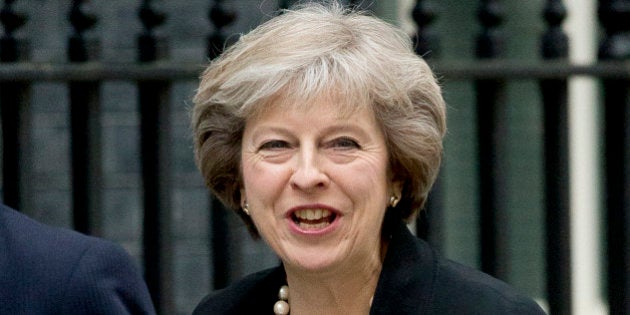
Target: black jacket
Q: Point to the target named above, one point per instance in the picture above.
(414, 280)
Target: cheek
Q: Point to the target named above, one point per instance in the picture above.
(365, 183)
(263, 181)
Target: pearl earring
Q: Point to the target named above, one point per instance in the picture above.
(393, 201)
(246, 208)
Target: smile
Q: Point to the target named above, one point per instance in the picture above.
(313, 219)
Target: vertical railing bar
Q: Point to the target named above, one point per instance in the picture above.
(85, 128)
(617, 133)
(491, 129)
(284, 4)
(555, 45)
(429, 224)
(220, 239)
(154, 107)
(15, 114)
(615, 45)
(219, 243)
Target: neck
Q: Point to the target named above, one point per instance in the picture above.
(346, 289)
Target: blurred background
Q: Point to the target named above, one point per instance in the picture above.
(534, 187)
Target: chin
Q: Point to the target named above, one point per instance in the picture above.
(314, 262)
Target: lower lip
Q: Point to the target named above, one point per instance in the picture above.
(295, 228)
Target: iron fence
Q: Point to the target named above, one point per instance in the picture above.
(154, 74)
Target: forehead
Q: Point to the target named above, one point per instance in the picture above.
(317, 117)
(337, 105)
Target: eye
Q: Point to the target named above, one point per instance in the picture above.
(345, 143)
(274, 145)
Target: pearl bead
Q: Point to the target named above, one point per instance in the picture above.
(283, 294)
(281, 308)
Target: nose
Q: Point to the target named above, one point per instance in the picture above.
(309, 175)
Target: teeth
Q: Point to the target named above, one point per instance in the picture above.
(312, 214)
(313, 226)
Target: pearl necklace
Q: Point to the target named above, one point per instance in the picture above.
(282, 306)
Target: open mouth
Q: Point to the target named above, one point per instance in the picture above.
(313, 219)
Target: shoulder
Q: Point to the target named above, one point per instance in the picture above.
(105, 279)
(253, 294)
(28, 242)
(415, 279)
(58, 270)
(476, 292)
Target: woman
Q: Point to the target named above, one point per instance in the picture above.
(323, 130)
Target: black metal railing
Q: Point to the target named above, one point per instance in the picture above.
(555, 46)
(154, 74)
(614, 16)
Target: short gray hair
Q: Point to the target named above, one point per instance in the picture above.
(307, 51)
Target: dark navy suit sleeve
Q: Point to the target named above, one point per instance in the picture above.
(47, 271)
(105, 281)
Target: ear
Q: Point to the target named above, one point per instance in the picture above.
(396, 187)
(243, 197)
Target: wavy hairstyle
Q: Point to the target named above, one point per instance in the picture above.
(317, 49)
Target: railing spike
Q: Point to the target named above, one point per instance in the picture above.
(220, 17)
(79, 18)
(555, 43)
(11, 21)
(426, 42)
(149, 48)
(490, 41)
(80, 49)
(285, 4)
(150, 17)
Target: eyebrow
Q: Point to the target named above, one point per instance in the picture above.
(347, 127)
(352, 127)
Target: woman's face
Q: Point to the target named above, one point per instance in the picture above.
(316, 183)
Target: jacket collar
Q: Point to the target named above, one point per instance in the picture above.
(407, 279)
